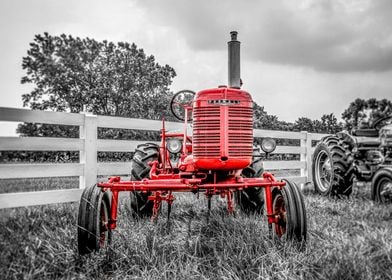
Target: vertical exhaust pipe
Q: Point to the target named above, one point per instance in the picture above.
(234, 61)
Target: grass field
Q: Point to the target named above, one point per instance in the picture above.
(347, 239)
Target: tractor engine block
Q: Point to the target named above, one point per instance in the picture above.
(222, 129)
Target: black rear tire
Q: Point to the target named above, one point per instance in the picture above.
(288, 204)
(382, 186)
(251, 200)
(140, 169)
(331, 167)
(93, 220)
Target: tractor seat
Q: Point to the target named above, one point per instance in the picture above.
(366, 132)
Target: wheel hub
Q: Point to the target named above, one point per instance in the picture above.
(326, 170)
(280, 216)
(323, 171)
(386, 190)
(103, 227)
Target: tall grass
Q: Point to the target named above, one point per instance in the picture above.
(348, 239)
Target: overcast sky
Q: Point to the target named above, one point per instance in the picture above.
(299, 58)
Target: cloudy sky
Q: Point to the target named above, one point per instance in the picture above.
(299, 58)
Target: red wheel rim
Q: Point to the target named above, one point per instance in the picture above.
(280, 215)
(103, 225)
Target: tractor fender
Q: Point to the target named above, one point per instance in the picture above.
(347, 137)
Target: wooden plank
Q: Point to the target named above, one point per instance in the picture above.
(120, 145)
(278, 134)
(297, 179)
(289, 150)
(74, 144)
(26, 115)
(40, 170)
(10, 200)
(114, 168)
(130, 145)
(291, 164)
(40, 144)
(139, 124)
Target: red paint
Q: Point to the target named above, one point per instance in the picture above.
(222, 129)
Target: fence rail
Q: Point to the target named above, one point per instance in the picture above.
(88, 168)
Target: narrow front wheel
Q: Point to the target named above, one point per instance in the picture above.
(290, 215)
(93, 220)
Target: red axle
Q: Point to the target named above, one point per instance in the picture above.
(162, 190)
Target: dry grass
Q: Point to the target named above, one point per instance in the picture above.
(348, 239)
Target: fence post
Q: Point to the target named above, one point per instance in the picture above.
(304, 171)
(88, 157)
(309, 156)
(306, 142)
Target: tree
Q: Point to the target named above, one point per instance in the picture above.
(262, 120)
(106, 78)
(304, 124)
(329, 124)
(318, 126)
(364, 112)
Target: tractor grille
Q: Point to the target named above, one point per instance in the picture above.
(240, 132)
(207, 131)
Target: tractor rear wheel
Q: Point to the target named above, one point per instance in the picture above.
(140, 169)
(251, 200)
(382, 186)
(289, 209)
(93, 220)
(331, 168)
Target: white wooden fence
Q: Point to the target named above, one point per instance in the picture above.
(88, 168)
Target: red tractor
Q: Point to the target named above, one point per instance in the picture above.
(217, 159)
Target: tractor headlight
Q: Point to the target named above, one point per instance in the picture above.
(174, 145)
(268, 145)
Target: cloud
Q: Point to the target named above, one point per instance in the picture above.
(330, 36)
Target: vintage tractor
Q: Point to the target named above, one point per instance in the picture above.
(364, 155)
(217, 159)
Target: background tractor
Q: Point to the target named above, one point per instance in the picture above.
(364, 155)
(217, 158)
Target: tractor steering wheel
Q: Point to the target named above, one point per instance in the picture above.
(179, 102)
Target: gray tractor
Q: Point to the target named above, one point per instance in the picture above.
(364, 155)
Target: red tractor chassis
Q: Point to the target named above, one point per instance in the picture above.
(163, 186)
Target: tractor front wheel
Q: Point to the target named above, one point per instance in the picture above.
(290, 215)
(382, 186)
(93, 220)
